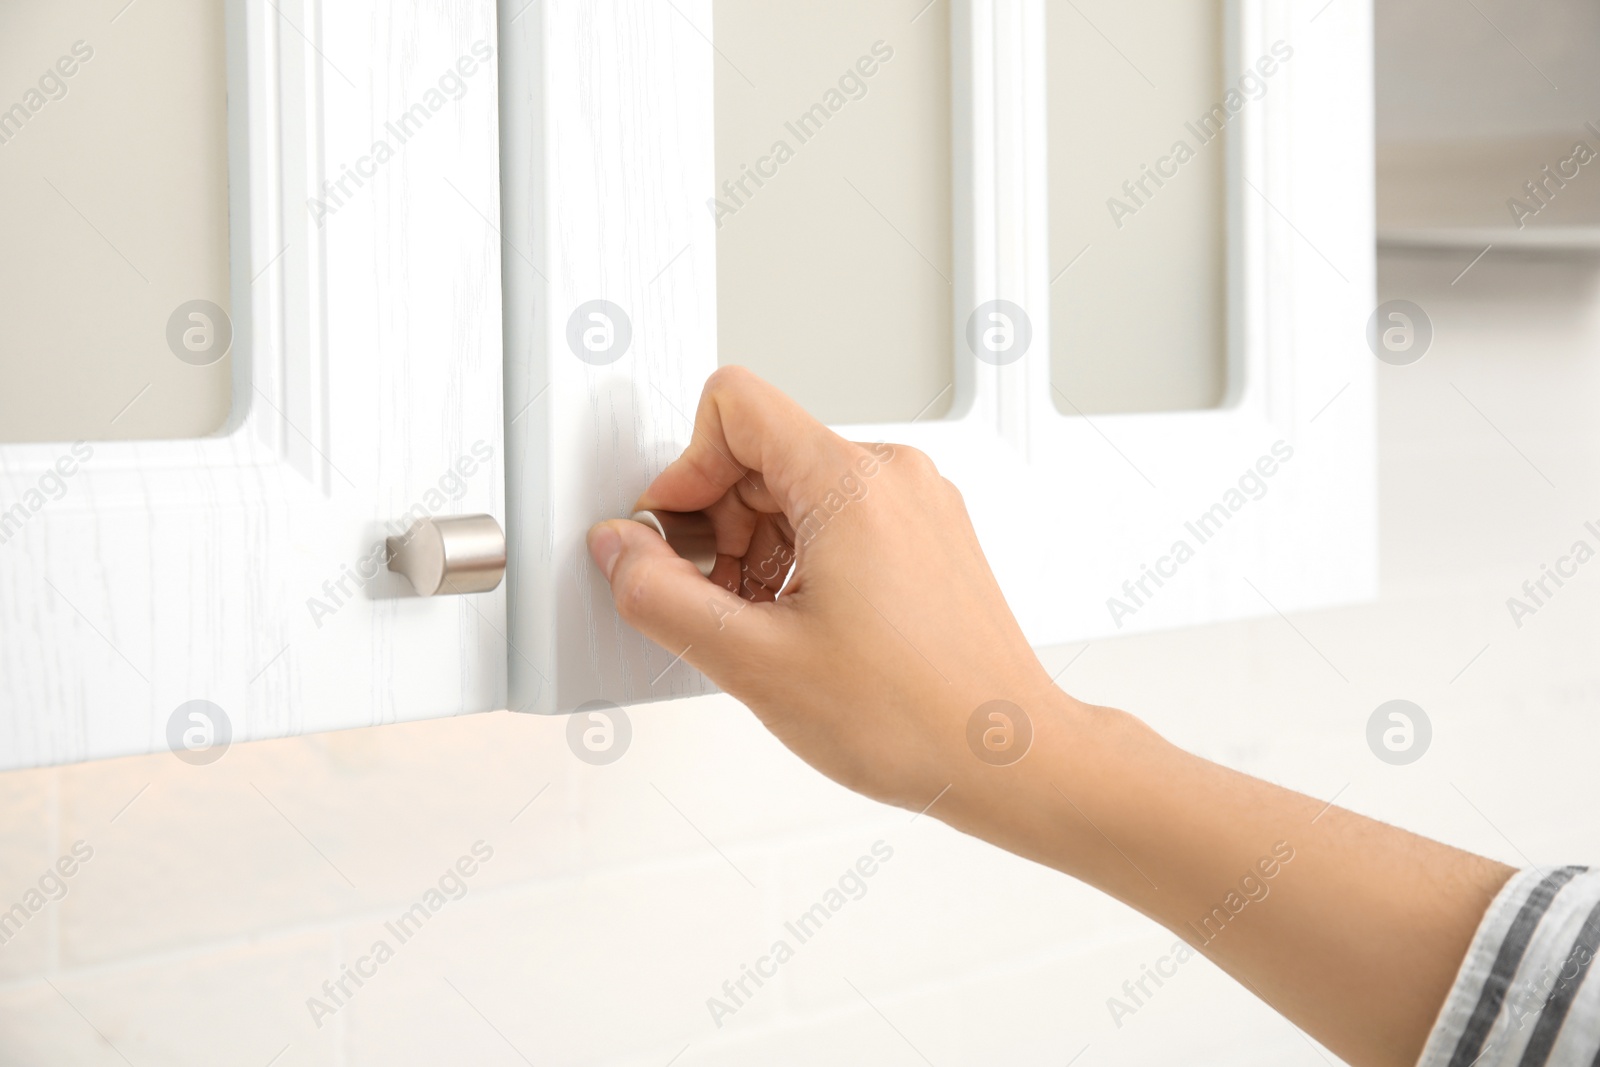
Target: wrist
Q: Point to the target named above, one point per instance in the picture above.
(1057, 803)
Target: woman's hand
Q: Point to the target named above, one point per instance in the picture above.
(891, 632)
(879, 664)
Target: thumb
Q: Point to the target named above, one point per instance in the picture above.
(664, 597)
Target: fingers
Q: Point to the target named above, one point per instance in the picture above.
(664, 597)
(735, 523)
(755, 460)
(766, 565)
(744, 425)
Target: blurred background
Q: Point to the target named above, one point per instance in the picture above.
(608, 902)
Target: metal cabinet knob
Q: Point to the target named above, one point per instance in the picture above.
(459, 554)
(689, 533)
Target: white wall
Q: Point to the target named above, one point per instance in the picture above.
(217, 898)
(1488, 69)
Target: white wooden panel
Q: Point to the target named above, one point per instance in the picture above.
(607, 156)
(1069, 507)
(616, 169)
(370, 354)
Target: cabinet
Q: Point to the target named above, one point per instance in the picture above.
(1096, 524)
(244, 569)
(546, 261)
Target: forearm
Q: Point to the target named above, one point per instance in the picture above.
(891, 638)
(1351, 928)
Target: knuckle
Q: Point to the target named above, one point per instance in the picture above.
(915, 462)
(728, 380)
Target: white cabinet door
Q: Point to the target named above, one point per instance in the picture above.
(611, 323)
(1095, 524)
(246, 570)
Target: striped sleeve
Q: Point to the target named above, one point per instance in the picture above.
(1524, 996)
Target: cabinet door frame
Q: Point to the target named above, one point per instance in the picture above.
(608, 174)
(246, 569)
(607, 162)
(1074, 509)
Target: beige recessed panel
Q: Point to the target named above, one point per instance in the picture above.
(114, 259)
(834, 210)
(1138, 204)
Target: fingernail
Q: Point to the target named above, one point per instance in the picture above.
(605, 545)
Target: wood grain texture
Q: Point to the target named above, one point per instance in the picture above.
(607, 162)
(369, 351)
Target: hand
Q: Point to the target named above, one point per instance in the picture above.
(889, 634)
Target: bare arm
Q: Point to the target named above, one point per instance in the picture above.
(881, 666)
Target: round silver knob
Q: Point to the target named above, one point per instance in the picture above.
(689, 533)
(458, 554)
